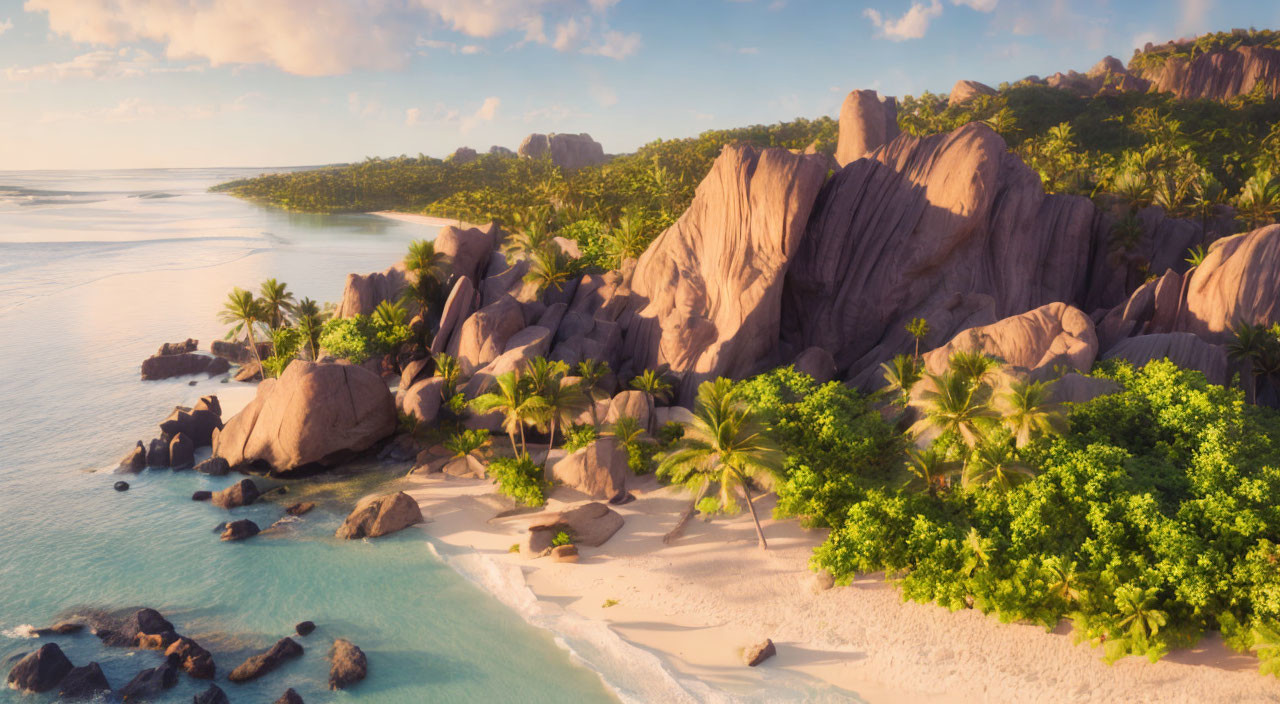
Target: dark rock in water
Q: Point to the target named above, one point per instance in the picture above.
(266, 661)
(238, 352)
(375, 516)
(191, 383)
(171, 365)
(220, 527)
(85, 682)
(197, 423)
(348, 664)
(212, 695)
(214, 466)
(289, 697)
(121, 486)
(201, 495)
(305, 628)
(150, 683)
(41, 670)
(242, 493)
(182, 452)
(66, 628)
(240, 530)
(158, 453)
(156, 641)
(249, 371)
(758, 653)
(299, 509)
(193, 659)
(209, 403)
(169, 348)
(135, 461)
(141, 625)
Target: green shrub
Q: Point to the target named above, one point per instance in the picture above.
(520, 478)
(362, 337)
(286, 342)
(578, 437)
(466, 442)
(562, 538)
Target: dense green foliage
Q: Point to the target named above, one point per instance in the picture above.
(1150, 521)
(363, 336)
(520, 478)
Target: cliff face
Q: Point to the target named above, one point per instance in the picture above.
(1220, 75)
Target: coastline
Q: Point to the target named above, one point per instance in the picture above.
(418, 219)
(696, 604)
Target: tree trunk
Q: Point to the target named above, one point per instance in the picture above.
(253, 347)
(756, 519)
(515, 451)
(524, 446)
(551, 442)
(676, 532)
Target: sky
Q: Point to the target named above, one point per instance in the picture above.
(87, 84)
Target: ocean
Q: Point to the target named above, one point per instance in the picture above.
(97, 269)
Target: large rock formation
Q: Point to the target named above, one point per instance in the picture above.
(867, 122)
(314, 414)
(598, 470)
(459, 306)
(376, 516)
(708, 291)
(964, 91)
(1181, 348)
(467, 250)
(1050, 337)
(951, 228)
(40, 670)
(589, 524)
(363, 292)
(568, 151)
(1219, 75)
(483, 336)
(182, 364)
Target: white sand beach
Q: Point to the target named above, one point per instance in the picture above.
(416, 218)
(697, 603)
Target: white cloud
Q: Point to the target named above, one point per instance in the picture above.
(451, 47)
(979, 5)
(615, 45)
(1194, 16)
(360, 107)
(6, 25)
(412, 116)
(103, 63)
(489, 109)
(911, 25)
(570, 33)
(138, 110)
(317, 37)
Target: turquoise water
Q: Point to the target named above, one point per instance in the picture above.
(98, 269)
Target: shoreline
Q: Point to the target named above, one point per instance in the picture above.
(419, 219)
(694, 605)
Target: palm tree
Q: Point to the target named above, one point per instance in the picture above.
(653, 383)
(592, 372)
(310, 321)
(390, 314)
(242, 311)
(900, 375)
(429, 270)
(955, 404)
(993, 464)
(277, 302)
(1248, 348)
(1134, 186)
(1138, 614)
(563, 402)
(918, 328)
(630, 435)
(1030, 411)
(931, 469)
(974, 366)
(534, 233)
(548, 267)
(627, 240)
(510, 395)
(540, 372)
(977, 551)
(1062, 579)
(724, 443)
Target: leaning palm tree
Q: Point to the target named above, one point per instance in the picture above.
(310, 321)
(512, 397)
(955, 404)
(429, 271)
(548, 268)
(724, 444)
(654, 384)
(592, 372)
(243, 312)
(540, 372)
(447, 368)
(930, 469)
(277, 302)
(900, 375)
(1030, 411)
(993, 464)
(973, 365)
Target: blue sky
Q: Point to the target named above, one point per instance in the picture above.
(149, 83)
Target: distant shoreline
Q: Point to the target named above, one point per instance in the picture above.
(419, 219)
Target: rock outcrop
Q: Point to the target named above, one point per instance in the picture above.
(41, 670)
(363, 292)
(568, 151)
(867, 122)
(707, 293)
(1181, 348)
(950, 228)
(84, 682)
(462, 155)
(258, 665)
(348, 664)
(468, 250)
(1040, 341)
(376, 516)
(1220, 75)
(212, 695)
(598, 470)
(242, 493)
(150, 683)
(423, 399)
(191, 658)
(964, 91)
(242, 529)
(589, 524)
(313, 415)
(171, 365)
(483, 336)
(459, 306)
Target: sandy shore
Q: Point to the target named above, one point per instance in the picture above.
(421, 219)
(696, 604)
